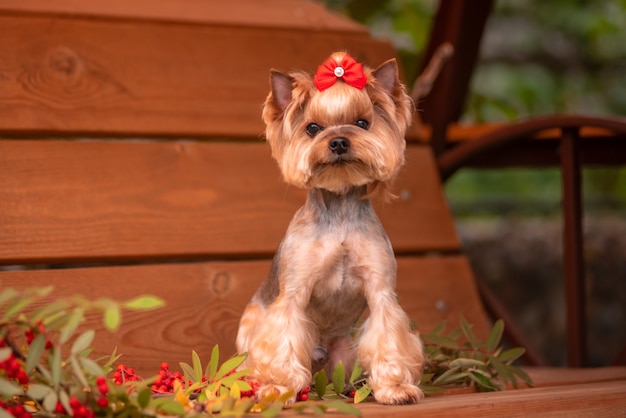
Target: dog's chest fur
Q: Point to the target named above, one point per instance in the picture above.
(330, 242)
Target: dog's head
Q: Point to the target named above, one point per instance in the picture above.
(342, 128)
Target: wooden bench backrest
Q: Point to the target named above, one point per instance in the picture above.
(131, 163)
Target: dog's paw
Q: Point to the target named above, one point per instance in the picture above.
(403, 394)
(274, 391)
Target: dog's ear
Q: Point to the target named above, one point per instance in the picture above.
(387, 76)
(282, 86)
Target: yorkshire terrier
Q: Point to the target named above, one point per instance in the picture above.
(340, 135)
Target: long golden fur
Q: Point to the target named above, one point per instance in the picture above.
(344, 145)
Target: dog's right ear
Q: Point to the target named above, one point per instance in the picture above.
(282, 86)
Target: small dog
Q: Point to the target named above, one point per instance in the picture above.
(340, 135)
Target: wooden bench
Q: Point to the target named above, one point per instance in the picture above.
(131, 163)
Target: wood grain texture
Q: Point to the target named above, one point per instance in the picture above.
(78, 76)
(435, 289)
(69, 201)
(293, 14)
(205, 301)
(604, 399)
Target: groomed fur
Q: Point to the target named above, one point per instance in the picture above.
(343, 145)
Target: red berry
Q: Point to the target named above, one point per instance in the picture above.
(165, 366)
(103, 402)
(81, 411)
(352, 393)
(22, 377)
(303, 397)
(59, 409)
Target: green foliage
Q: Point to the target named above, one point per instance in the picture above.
(460, 359)
(57, 375)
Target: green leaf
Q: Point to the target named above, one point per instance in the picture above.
(522, 375)
(75, 318)
(55, 367)
(469, 334)
(170, 406)
(229, 365)
(7, 295)
(495, 336)
(443, 378)
(430, 390)
(344, 407)
(5, 352)
(321, 381)
(187, 370)
(484, 382)
(272, 410)
(143, 397)
(509, 356)
(197, 366)
(235, 392)
(49, 309)
(8, 388)
(463, 362)
(229, 380)
(50, 401)
(243, 385)
(439, 328)
(83, 341)
(443, 342)
(112, 317)
(502, 371)
(78, 371)
(213, 363)
(357, 371)
(17, 306)
(64, 398)
(144, 303)
(90, 366)
(34, 352)
(362, 393)
(339, 378)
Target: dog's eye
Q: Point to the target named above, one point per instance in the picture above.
(362, 123)
(313, 129)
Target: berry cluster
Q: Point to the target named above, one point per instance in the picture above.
(31, 333)
(13, 366)
(79, 410)
(124, 374)
(17, 410)
(164, 382)
(253, 384)
(103, 389)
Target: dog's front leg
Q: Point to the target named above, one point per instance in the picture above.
(280, 355)
(388, 350)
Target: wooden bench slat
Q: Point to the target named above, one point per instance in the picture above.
(79, 76)
(603, 399)
(205, 301)
(69, 201)
(310, 16)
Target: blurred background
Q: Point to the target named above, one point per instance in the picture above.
(536, 57)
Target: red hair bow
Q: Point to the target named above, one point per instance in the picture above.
(350, 71)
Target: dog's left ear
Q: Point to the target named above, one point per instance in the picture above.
(387, 76)
(282, 86)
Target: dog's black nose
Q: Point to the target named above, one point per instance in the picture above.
(339, 145)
